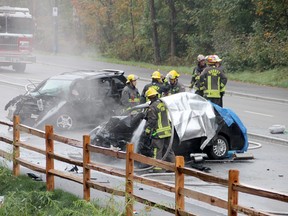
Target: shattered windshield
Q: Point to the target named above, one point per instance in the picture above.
(53, 87)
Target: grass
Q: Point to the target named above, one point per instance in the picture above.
(277, 77)
(274, 77)
(24, 196)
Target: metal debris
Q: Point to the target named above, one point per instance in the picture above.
(277, 129)
(35, 177)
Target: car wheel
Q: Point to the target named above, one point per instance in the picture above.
(19, 67)
(65, 122)
(219, 149)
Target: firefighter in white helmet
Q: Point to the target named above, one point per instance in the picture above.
(195, 80)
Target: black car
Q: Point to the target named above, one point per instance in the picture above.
(198, 125)
(70, 100)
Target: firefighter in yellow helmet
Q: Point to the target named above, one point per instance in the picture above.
(156, 84)
(171, 83)
(158, 126)
(213, 80)
(130, 95)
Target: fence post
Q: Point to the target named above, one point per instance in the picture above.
(86, 171)
(129, 180)
(49, 160)
(232, 195)
(179, 184)
(16, 148)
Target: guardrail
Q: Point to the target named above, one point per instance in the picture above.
(232, 183)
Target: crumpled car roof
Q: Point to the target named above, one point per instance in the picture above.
(192, 116)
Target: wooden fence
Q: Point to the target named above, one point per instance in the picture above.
(232, 183)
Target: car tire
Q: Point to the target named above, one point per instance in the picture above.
(19, 67)
(219, 149)
(65, 122)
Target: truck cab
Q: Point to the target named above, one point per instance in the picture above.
(16, 37)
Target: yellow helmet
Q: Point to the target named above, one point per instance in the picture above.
(156, 75)
(150, 92)
(173, 74)
(131, 77)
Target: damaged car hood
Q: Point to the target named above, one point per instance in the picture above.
(191, 116)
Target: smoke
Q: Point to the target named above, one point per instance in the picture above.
(64, 33)
(68, 102)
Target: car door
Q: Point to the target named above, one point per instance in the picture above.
(97, 97)
(117, 85)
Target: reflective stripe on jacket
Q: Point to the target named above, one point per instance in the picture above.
(173, 89)
(158, 125)
(156, 85)
(213, 82)
(195, 80)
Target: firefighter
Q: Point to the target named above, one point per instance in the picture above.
(156, 84)
(158, 127)
(201, 65)
(171, 83)
(130, 94)
(213, 80)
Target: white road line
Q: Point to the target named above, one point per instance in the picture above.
(258, 113)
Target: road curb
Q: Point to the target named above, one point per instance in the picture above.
(256, 97)
(12, 84)
(272, 140)
(242, 94)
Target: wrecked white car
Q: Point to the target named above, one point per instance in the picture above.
(198, 127)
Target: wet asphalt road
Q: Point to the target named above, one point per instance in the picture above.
(268, 168)
(255, 105)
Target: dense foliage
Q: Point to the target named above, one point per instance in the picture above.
(247, 34)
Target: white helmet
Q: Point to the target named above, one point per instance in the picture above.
(200, 58)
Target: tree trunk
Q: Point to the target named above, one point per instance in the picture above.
(157, 58)
(172, 29)
(110, 24)
(133, 30)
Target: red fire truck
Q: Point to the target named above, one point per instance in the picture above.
(16, 37)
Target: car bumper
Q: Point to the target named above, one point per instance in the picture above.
(17, 59)
(11, 111)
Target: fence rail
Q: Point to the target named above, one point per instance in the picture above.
(232, 183)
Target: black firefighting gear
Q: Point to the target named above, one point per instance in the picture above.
(154, 84)
(195, 80)
(158, 128)
(160, 146)
(145, 145)
(174, 88)
(213, 82)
